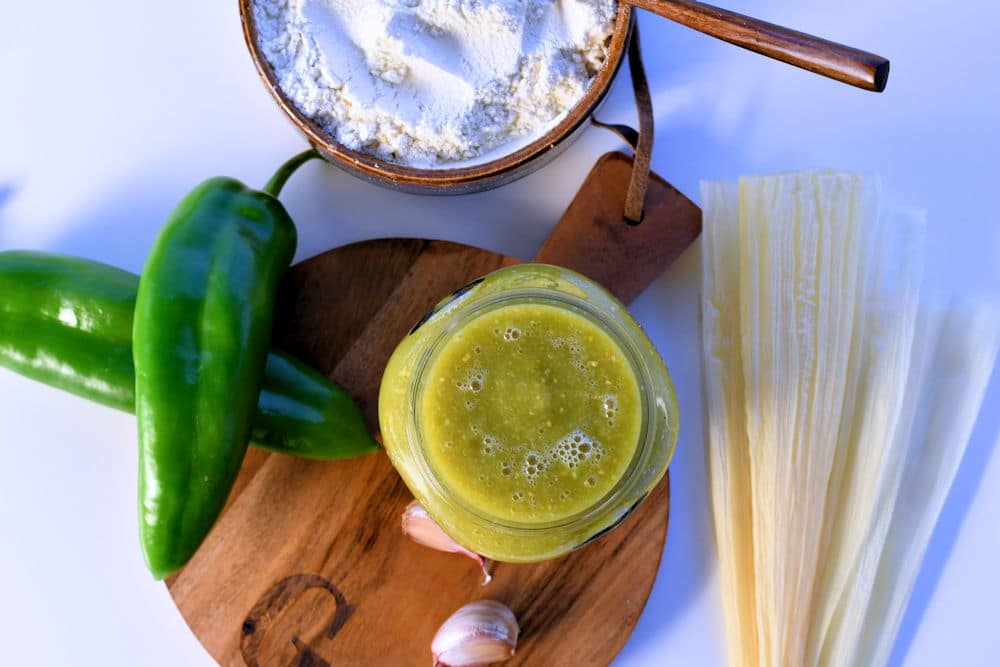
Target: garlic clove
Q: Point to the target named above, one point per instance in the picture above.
(422, 529)
(480, 633)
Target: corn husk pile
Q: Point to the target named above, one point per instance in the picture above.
(839, 403)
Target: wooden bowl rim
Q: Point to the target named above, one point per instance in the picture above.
(444, 180)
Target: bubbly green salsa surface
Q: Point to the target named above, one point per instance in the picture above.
(530, 413)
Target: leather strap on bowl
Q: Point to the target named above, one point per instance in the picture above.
(641, 141)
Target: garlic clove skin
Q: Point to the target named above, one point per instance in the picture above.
(480, 633)
(422, 529)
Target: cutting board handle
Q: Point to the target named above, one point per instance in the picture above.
(594, 239)
(626, 224)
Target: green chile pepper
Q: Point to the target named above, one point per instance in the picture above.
(200, 338)
(67, 322)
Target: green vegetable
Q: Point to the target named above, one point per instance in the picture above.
(67, 322)
(200, 338)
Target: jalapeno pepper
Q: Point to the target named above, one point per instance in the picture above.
(67, 322)
(200, 338)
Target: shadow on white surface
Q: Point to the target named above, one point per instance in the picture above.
(985, 437)
(115, 224)
(669, 313)
(6, 192)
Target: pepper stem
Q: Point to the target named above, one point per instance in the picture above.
(285, 171)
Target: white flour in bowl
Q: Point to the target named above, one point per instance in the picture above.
(428, 82)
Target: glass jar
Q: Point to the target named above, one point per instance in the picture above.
(411, 431)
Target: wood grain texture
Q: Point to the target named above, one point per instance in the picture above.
(836, 61)
(592, 236)
(307, 564)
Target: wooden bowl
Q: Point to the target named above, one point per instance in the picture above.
(465, 179)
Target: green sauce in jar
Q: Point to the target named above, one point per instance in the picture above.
(528, 413)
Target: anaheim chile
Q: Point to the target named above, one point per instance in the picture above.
(201, 334)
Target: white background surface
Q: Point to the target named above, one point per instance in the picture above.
(113, 110)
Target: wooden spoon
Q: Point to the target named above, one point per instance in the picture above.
(836, 61)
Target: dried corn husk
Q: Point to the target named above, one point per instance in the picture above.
(822, 374)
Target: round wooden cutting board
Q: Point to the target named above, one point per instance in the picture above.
(307, 564)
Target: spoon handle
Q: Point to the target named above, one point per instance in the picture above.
(836, 61)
